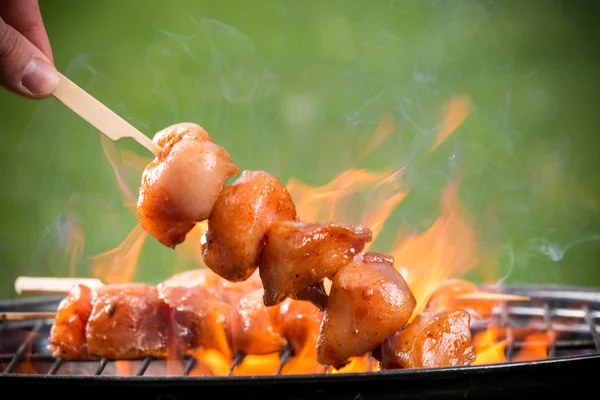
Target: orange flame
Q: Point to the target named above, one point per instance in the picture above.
(189, 252)
(447, 249)
(210, 362)
(488, 348)
(123, 368)
(382, 131)
(118, 265)
(535, 347)
(357, 364)
(454, 114)
(74, 241)
(127, 167)
(355, 196)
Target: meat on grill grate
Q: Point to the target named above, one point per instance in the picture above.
(566, 319)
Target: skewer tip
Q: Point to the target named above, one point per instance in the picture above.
(487, 296)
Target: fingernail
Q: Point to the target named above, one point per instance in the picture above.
(39, 77)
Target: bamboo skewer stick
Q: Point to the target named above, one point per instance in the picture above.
(487, 296)
(20, 316)
(100, 116)
(40, 285)
(47, 286)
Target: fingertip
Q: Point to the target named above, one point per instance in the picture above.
(39, 78)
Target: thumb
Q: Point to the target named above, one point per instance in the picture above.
(24, 69)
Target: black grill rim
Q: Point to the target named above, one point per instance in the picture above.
(271, 379)
(545, 377)
(545, 292)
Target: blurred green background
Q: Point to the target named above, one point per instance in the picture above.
(296, 88)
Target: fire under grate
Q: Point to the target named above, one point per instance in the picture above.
(564, 320)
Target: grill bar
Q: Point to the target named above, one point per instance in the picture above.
(284, 357)
(505, 322)
(101, 367)
(189, 365)
(571, 328)
(549, 331)
(55, 366)
(144, 366)
(21, 352)
(237, 360)
(593, 329)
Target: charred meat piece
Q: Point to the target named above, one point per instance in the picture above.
(67, 335)
(316, 294)
(432, 340)
(197, 312)
(369, 301)
(127, 321)
(179, 188)
(300, 254)
(243, 213)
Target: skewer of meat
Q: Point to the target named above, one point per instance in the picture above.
(253, 224)
(193, 309)
(298, 324)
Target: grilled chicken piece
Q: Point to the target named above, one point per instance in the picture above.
(243, 213)
(445, 298)
(369, 301)
(127, 321)
(67, 335)
(180, 188)
(432, 340)
(198, 313)
(300, 254)
(251, 331)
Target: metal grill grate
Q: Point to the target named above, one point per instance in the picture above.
(567, 318)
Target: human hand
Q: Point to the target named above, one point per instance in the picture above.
(26, 61)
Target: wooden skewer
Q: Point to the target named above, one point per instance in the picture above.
(19, 316)
(100, 116)
(38, 285)
(486, 296)
(47, 286)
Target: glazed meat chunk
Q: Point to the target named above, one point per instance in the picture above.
(243, 213)
(127, 321)
(300, 254)
(180, 188)
(67, 335)
(369, 301)
(432, 340)
(197, 312)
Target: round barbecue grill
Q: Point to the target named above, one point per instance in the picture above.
(567, 315)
